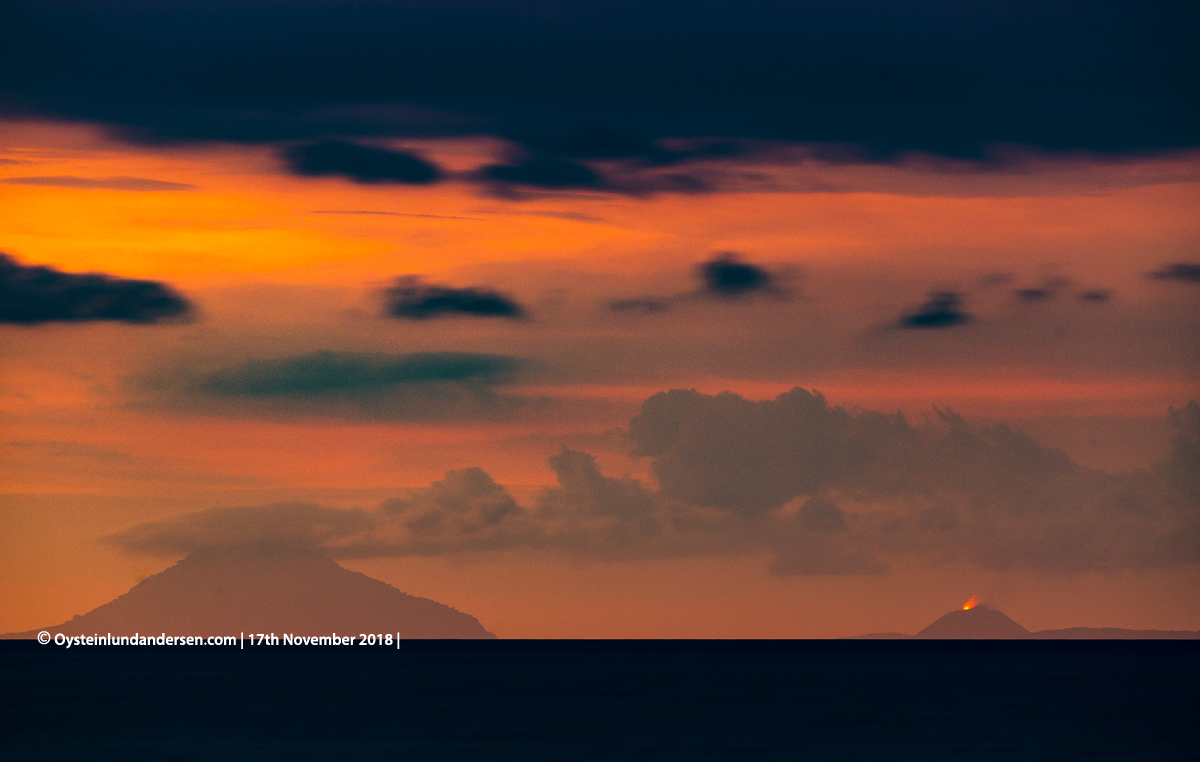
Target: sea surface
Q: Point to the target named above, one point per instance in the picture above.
(605, 700)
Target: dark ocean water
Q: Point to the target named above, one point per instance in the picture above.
(605, 700)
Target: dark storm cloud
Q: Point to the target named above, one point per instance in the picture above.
(99, 183)
(820, 489)
(411, 299)
(943, 309)
(617, 80)
(362, 164)
(34, 294)
(335, 373)
(1184, 272)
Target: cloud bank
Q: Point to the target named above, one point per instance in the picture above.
(817, 488)
(617, 81)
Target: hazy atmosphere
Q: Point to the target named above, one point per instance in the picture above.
(608, 319)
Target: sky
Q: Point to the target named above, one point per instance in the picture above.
(651, 319)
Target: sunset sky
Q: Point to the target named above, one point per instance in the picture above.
(414, 281)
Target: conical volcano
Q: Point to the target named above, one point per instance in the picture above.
(279, 590)
(977, 623)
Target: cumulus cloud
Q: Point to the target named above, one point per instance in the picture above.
(817, 488)
(362, 164)
(121, 182)
(412, 299)
(943, 309)
(34, 294)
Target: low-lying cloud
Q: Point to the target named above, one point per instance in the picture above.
(817, 488)
(35, 294)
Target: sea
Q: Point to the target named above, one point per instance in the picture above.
(527, 700)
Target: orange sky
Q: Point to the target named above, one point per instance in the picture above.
(88, 450)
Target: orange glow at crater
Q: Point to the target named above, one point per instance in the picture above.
(970, 604)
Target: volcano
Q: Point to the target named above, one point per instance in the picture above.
(976, 623)
(280, 590)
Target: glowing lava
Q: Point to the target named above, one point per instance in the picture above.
(970, 604)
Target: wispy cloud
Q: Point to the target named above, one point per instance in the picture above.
(120, 182)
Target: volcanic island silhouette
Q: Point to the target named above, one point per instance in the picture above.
(226, 591)
(979, 622)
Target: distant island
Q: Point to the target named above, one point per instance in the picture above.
(978, 622)
(274, 590)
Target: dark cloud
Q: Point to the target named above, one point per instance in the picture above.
(362, 164)
(1034, 294)
(1096, 295)
(546, 173)
(600, 144)
(942, 310)
(1043, 293)
(725, 275)
(33, 294)
(99, 183)
(1184, 272)
(617, 80)
(336, 373)
(411, 299)
(349, 385)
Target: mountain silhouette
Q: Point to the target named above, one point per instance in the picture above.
(278, 590)
(978, 623)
